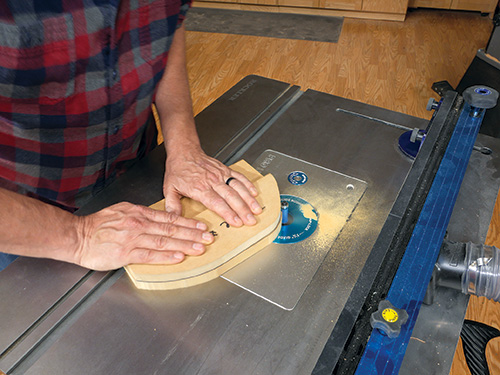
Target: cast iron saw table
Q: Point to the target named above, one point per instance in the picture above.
(310, 316)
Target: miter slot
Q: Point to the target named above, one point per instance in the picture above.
(380, 121)
(239, 113)
(37, 338)
(252, 133)
(261, 121)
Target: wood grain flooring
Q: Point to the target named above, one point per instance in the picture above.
(389, 64)
(383, 63)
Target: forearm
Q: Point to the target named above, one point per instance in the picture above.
(32, 228)
(189, 171)
(173, 100)
(111, 238)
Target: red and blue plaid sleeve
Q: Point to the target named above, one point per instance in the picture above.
(76, 83)
(186, 4)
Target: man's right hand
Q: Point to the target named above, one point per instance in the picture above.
(125, 233)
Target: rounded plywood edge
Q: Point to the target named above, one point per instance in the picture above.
(231, 245)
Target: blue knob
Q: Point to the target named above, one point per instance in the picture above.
(284, 212)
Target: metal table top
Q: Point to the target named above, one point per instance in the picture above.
(99, 323)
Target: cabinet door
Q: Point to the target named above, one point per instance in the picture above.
(440, 4)
(341, 4)
(217, 1)
(256, 2)
(485, 6)
(299, 3)
(385, 6)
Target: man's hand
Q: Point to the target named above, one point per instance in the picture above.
(125, 233)
(113, 237)
(194, 174)
(189, 171)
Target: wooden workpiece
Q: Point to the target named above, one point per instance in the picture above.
(231, 245)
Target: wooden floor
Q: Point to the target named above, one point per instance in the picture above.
(388, 64)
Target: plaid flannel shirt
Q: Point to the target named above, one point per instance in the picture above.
(77, 78)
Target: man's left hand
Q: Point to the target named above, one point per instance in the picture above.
(195, 175)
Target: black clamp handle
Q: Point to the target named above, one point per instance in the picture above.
(388, 319)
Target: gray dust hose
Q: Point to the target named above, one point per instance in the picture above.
(482, 274)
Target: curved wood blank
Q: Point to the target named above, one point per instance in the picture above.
(231, 246)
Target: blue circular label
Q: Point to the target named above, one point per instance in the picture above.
(302, 220)
(297, 178)
(482, 91)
